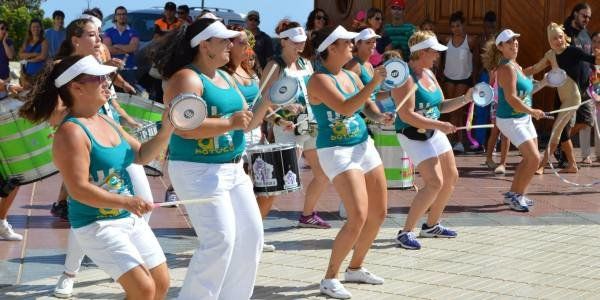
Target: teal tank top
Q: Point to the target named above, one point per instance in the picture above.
(365, 77)
(249, 91)
(111, 110)
(334, 129)
(220, 103)
(108, 171)
(427, 103)
(524, 89)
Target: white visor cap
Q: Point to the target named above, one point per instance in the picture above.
(216, 29)
(340, 33)
(505, 36)
(87, 65)
(296, 35)
(366, 34)
(95, 20)
(431, 42)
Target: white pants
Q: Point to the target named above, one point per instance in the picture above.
(141, 187)
(229, 230)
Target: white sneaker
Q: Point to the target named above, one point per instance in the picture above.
(7, 233)
(362, 275)
(268, 248)
(64, 286)
(334, 288)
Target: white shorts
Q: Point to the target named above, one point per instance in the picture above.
(120, 245)
(306, 142)
(339, 159)
(418, 151)
(518, 130)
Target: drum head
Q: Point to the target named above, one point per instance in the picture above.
(483, 94)
(187, 111)
(284, 91)
(10, 104)
(397, 73)
(556, 77)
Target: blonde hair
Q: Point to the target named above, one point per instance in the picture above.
(491, 55)
(417, 37)
(555, 29)
(387, 55)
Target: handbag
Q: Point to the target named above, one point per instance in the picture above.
(417, 134)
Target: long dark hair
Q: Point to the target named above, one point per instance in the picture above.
(173, 51)
(372, 12)
(75, 28)
(577, 8)
(310, 23)
(43, 99)
(457, 16)
(30, 35)
(318, 37)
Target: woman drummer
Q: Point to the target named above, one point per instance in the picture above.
(206, 162)
(424, 139)
(570, 59)
(347, 155)
(92, 153)
(514, 113)
(291, 64)
(82, 38)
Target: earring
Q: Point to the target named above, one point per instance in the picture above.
(76, 45)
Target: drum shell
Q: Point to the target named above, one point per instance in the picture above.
(140, 108)
(282, 158)
(25, 149)
(397, 166)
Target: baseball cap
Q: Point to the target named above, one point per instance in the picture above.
(253, 13)
(397, 3)
(506, 35)
(86, 65)
(339, 33)
(170, 6)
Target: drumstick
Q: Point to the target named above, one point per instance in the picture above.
(568, 108)
(471, 127)
(264, 83)
(185, 202)
(412, 90)
(274, 112)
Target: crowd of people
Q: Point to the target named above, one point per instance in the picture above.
(70, 72)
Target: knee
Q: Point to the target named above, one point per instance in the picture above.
(162, 285)
(434, 183)
(356, 220)
(533, 159)
(146, 289)
(451, 178)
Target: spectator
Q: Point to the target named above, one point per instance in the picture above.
(122, 42)
(55, 35)
(399, 31)
(7, 50)
(183, 14)
(264, 46)
(34, 51)
(317, 19)
(374, 21)
(167, 22)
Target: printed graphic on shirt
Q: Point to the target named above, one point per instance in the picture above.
(343, 127)
(113, 183)
(218, 144)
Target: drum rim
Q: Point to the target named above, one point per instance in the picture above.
(264, 146)
(557, 72)
(405, 67)
(131, 99)
(180, 98)
(277, 193)
(489, 88)
(273, 90)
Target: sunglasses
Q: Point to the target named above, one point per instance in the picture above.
(181, 13)
(321, 18)
(95, 79)
(397, 8)
(121, 14)
(378, 18)
(253, 19)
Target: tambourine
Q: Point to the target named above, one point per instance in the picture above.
(483, 94)
(397, 73)
(556, 77)
(187, 111)
(284, 91)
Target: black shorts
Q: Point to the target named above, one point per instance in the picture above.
(467, 81)
(585, 114)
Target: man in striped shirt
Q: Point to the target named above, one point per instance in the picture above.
(399, 31)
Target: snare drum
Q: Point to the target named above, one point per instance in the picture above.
(144, 133)
(187, 111)
(556, 77)
(284, 91)
(274, 169)
(304, 126)
(25, 148)
(140, 108)
(397, 166)
(483, 94)
(397, 74)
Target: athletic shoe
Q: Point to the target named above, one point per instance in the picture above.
(518, 203)
(436, 230)
(408, 240)
(500, 169)
(7, 233)
(313, 221)
(64, 286)
(334, 288)
(170, 196)
(362, 275)
(459, 148)
(60, 209)
(509, 195)
(268, 248)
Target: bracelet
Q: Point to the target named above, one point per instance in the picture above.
(276, 120)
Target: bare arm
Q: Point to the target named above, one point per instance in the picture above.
(113, 50)
(8, 49)
(42, 56)
(407, 111)
(537, 67)
(507, 80)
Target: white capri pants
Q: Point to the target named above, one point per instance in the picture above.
(518, 130)
(141, 187)
(339, 159)
(419, 151)
(229, 230)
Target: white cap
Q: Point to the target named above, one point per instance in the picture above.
(431, 42)
(339, 33)
(216, 29)
(209, 15)
(366, 34)
(296, 34)
(506, 35)
(95, 20)
(87, 65)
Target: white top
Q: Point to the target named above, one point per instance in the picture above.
(459, 61)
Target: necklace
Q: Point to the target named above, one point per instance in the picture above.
(243, 77)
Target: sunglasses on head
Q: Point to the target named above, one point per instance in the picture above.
(99, 79)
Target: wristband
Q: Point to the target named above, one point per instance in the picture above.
(276, 120)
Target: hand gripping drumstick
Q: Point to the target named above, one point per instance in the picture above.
(569, 108)
(468, 127)
(185, 202)
(412, 90)
(264, 83)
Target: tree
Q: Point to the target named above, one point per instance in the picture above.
(29, 4)
(18, 14)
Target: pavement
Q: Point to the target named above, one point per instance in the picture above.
(547, 253)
